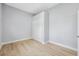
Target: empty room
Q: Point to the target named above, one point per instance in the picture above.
(38, 29)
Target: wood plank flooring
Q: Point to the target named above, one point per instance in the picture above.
(35, 48)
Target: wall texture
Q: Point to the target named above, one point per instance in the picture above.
(62, 24)
(16, 24)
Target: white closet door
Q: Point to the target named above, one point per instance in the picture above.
(38, 27)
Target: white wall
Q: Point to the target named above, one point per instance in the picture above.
(78, 23)
(46, 26)
(0, 25)
(62, 24)
(40, 27)
(78, 31)
(16, 24)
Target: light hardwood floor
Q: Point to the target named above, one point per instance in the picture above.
(34, 48)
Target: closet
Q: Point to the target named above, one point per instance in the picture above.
(40, 27)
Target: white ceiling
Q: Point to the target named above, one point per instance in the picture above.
(32, 8)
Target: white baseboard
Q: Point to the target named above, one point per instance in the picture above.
(63, 45)
(42, 42)
(3, 43)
